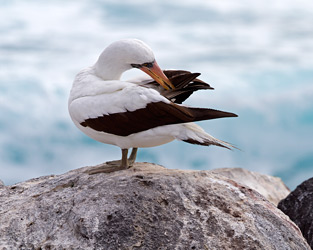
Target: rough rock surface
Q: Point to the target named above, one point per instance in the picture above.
(272, 188)
(145, 207)
(299, 207)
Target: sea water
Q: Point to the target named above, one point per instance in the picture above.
(258, 55)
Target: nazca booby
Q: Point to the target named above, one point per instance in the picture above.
(136, 114)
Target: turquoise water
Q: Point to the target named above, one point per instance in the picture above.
(258, 55)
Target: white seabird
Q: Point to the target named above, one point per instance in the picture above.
(137, 114)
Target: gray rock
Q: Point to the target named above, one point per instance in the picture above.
(145, 207)
(1, 183)
(272, 188)
(299, 207)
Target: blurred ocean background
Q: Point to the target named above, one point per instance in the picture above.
(258, 55)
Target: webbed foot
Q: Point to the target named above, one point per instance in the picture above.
(107, 167)
(112, 166)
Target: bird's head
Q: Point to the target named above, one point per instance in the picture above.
(126, 54)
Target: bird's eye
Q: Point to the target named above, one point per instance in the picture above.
(136, 65)
(147, 65)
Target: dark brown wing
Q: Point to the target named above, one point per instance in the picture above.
(185, 84)
(153, 115)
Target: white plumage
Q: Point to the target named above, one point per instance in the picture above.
(125, 113)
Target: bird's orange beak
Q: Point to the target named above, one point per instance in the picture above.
(157, 74)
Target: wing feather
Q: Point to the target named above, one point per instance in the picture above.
(185, 84)
(153, 115)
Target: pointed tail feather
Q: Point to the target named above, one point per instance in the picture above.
(194, 134)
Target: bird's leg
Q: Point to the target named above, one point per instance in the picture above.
(111, 166)
(124, 164)
(117, 163)
(132, 157)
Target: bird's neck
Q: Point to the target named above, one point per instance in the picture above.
(110, 68)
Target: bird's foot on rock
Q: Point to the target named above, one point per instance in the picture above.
(131, 163)
(119, 164)
(108, 167)
(116, 163)
(112, 166)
